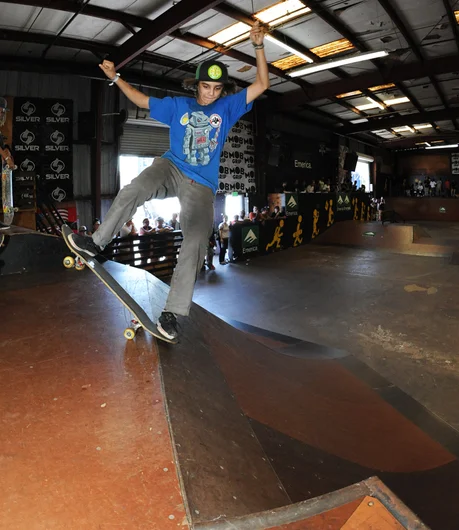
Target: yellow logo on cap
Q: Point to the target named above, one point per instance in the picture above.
(215, 72)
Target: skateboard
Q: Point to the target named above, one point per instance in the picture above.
(103, 269)
(7, 195)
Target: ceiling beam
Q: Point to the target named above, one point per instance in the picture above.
(48, 66)
(162, 26)
(452, 21)
(90, 10)
(394, 74)
(400, 25)
(408, 119)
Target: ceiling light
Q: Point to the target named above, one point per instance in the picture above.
(396, 101)
(372, 105)
(287, 47)
(338, 62)
(360, 120)
(423, 143)
(332, 48)
(279, 13)
(456, 14)
(231, 35)
(349, 94)
(423, 126)
(448, 146)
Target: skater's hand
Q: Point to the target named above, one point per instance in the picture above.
(108, 68)
(257, 34)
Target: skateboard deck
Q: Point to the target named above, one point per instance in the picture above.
(7, 195)
(102, 268)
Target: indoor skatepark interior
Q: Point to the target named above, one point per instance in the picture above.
(312, 388)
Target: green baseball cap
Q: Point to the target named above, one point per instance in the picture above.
(212, 71)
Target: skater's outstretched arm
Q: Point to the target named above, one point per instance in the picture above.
(134, 95)
(261, 83)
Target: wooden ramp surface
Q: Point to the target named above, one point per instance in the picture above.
(258, 422)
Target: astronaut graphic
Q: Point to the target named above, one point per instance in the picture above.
(197, 142)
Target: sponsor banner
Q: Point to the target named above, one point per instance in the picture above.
(43, 139)
(291, 204)
(250, 239)
(237, 162)
(343, 202)
(56, 176)
(455, 163)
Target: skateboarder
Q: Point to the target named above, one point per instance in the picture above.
(189, 170)
(6, 157)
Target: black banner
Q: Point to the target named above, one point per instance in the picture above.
(42, 138)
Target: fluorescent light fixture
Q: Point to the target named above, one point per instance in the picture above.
(423, 143)
(381, 87)
(288, 48)
(338, 62)
(360, 120)
(372, 105)
(281, 12)
(423, 126)
(396, 101)
(231, 35)
(448, 146)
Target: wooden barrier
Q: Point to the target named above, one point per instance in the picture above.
(156, 253)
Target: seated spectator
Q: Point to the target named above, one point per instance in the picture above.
(95, 224)
(146, 227)
(161, 226)
(174, 223)
(276, 213)
(128, 229)
(235, 220)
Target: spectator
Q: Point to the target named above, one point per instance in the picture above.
(223, 232)
(242, 215)
(83, 231)
(174, 223)
(453, 188)
(433, 187)
(276, 213)
(254, 215)
(146, 227)
(95, 225)
(264, 214)
(310, 187)
(161, 226)
(439, 187)
(128, 229)
(235, 219)
(447, 188)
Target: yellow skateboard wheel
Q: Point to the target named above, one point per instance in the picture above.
(129, 333)
(69, 262)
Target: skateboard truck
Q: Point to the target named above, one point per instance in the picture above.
(70, 262)
(130, 333)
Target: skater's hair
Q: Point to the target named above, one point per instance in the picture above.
(192, 85)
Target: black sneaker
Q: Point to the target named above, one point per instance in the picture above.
(83, 244)
(167, 325)
(3, 226)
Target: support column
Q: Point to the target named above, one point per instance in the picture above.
(261, 152)
(97, 96)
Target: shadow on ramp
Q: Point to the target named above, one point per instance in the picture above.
(258, 428)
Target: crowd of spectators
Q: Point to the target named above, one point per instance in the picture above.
(430, 187)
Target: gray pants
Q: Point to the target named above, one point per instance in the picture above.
(159, 181)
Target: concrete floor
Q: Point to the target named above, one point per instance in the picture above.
(397, 313)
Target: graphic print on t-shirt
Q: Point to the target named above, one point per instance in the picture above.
(197, 142)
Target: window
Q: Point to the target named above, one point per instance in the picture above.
(130, 167)
(361, 175)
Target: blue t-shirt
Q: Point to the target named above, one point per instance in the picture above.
(198, 132)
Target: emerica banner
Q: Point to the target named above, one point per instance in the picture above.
(42, 143)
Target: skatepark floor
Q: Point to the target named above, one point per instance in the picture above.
(397, 313)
